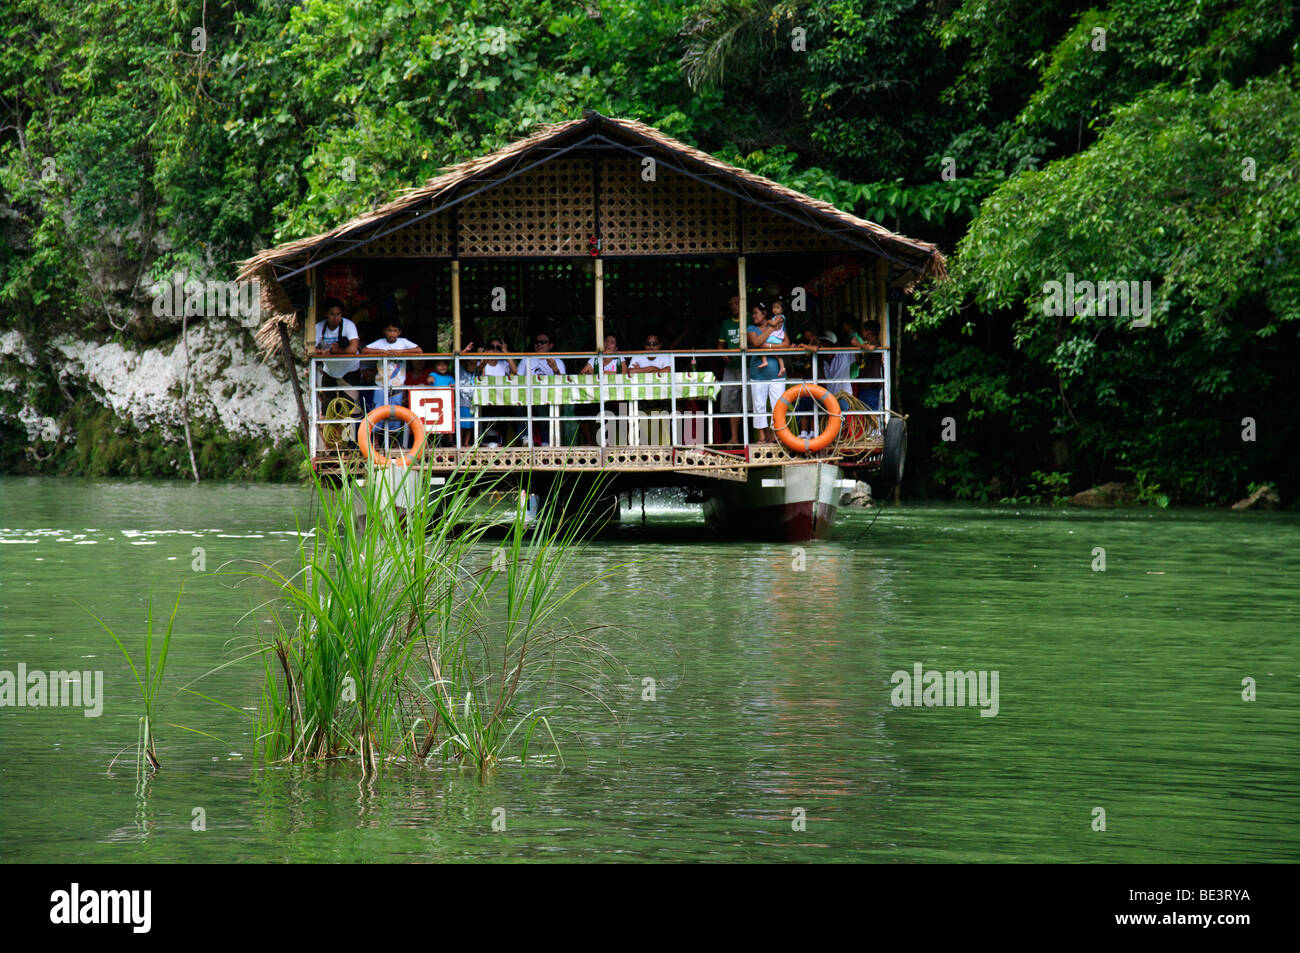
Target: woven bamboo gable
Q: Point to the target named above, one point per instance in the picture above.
(428, 237)
(549, 210)
(766, 231)
(669, 214)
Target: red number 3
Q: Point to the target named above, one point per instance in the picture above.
(438, 405)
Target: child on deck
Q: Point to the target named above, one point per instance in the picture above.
(440, 376)
(390, 390)
(776, 335)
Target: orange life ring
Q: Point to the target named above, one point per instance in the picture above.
(781, 412)
(404, 414)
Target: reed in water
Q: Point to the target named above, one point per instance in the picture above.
(404, 636)
(148, 675)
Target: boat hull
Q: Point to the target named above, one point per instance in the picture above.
(792, 503)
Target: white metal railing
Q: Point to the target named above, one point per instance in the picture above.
(613, 422)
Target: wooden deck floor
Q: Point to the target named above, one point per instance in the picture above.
(691, 460)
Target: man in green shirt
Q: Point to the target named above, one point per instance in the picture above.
(729, 399)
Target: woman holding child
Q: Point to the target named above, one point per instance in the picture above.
(766, 374)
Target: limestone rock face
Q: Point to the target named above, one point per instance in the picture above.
(230, 386)
(1264, 498)
(1108, 494)
(80, 404)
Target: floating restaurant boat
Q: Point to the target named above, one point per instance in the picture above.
(594, 227)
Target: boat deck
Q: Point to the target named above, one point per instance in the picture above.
(691, 460)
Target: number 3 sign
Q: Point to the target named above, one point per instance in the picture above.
(436, 406)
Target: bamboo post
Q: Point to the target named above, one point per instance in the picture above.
(600, 303)
(455, 307)
(881, 300)
(313, 312)
(743, 317)
(314, 308)
(743, 314)
(292, 370)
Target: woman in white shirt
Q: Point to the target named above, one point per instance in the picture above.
(504, 367)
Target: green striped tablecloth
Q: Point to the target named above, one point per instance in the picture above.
(586, 388)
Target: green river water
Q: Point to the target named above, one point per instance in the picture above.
(1119, 690)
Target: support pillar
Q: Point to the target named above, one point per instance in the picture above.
(600, 303)
(313, 311)
(455, 308)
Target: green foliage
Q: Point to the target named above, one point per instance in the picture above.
(936, 201)
(1219, 293)
(1121, 163)
(1051, 488)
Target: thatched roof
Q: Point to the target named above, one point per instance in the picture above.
(285, 264)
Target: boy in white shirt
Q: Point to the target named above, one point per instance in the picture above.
(392, 344)
(651, 364)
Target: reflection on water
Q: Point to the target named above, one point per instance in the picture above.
(771, 664)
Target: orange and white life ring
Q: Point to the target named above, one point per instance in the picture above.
(781, 412)
(404, 414)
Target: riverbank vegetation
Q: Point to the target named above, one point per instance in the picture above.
(1130, 140)
(108, 446)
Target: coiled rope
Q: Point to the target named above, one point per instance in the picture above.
(333, 435)
(858, 429)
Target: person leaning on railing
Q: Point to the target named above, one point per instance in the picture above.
(392, 344)
(335, 336)
(541, 366)
(870, 366)
(731, 401)
(608, 365)
(834, 371)
(505, 431)
(465, 395)
(654, 363)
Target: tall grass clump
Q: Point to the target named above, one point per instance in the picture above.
(148, 678)
(398, 636)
